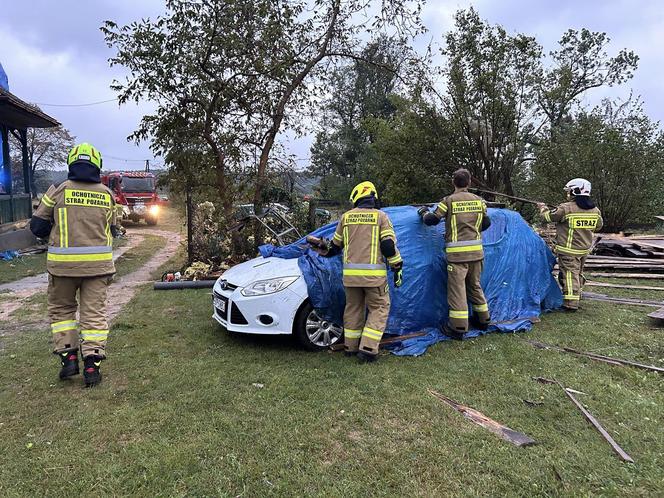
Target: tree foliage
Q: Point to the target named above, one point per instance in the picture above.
(619, 149)
(48, 149)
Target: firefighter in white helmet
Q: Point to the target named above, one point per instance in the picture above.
(576, 220)
(78, 218)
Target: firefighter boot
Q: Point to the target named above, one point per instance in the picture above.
(91, 372)
(69, 362)
(367, 357)
(452, 333)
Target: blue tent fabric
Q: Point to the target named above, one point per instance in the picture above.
(517, 277)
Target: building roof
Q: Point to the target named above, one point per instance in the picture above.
(15, 113)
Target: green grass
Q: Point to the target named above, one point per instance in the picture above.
(178, 413)
(31, 265)
(25, 266)
(133, 259)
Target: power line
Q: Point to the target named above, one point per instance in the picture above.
(126, 159)
(78, 105)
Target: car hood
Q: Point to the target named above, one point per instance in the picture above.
(261, 269)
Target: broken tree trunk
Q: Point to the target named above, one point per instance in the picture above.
(509, 435)
(620, 452)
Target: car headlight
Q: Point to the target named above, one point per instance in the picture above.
(262, 287)
(154, 210)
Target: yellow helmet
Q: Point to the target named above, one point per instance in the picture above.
(364, 189)
(86, 153)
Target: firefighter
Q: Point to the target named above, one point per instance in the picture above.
(367, 238)
(78, 218)
(465, 218)
(576, 221)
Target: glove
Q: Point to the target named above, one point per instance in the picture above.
(422, 211)
(398, 275)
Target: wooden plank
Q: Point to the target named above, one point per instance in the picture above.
(619, 451)
(627, 275)
(596, 258)
(620, 286)
(622, 300)
(594, 356)
(657, 315)
(510, 435)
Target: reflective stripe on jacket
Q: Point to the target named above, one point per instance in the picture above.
(80, 243)
(359, 233)
(463, 213)
(574, 227)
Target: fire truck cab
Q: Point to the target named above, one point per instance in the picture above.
(136, 192)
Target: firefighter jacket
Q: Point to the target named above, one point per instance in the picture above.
(574, 227)
(359, 233)
(463, 213)
(80, 242)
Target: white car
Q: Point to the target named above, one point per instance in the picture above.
(269, 296)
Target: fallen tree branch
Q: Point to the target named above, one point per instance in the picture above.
(509, 435)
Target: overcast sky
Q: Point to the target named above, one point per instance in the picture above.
(54, 53)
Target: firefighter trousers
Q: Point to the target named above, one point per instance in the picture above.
(463, 284)
(92, 323)
(571, 279)
(365, 318)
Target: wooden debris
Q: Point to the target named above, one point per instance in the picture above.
(622, 300)
(594, 356)
(509, 435)
(627, 275)
(400, 338)
(622, 286)
(658, 315)
(532, 403)
(621, 453)
(570, 394)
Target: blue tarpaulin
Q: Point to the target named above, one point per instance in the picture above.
(517, 277)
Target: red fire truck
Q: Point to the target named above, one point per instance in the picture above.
(136, 192)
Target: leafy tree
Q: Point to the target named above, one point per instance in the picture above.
(47, 149)
(503, 100)
(619, 149)
(412, 158)
(361, 89)
(233, 75)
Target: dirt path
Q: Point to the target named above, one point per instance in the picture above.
(124, 289)
(120, 292)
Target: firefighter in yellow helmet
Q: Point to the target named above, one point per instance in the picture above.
(78, 218)
(576, 221)
(465, 218)
(367, 239)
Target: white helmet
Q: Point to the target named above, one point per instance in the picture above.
(578, 186)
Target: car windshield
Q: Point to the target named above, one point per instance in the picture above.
(132, 184)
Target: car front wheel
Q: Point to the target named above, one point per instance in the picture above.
(313, 332)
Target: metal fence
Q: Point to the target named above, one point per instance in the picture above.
(15, 207)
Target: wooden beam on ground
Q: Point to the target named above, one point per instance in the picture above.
(646, 276)
(624, 286)
(619, 451)
(594, 356)
(658, 314)
(622, 300)
(509, 435)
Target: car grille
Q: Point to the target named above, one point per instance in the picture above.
(237, 317)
